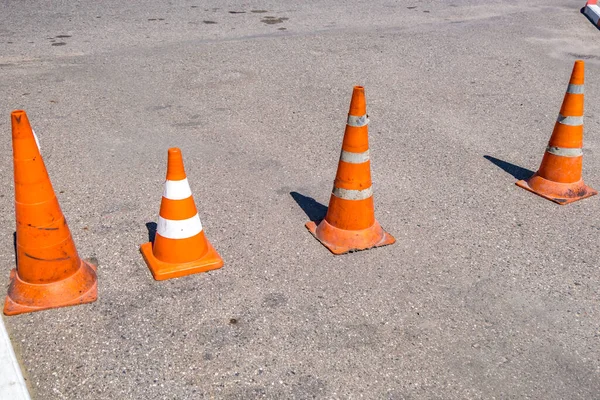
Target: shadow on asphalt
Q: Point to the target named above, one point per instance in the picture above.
(151, 226)
(516, 171)
(313, 209)
(15, 247)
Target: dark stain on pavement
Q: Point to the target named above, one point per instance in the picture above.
(209, 22)
(584, 56)
(269, 20)
(274, 300)
(159, 107)
(191, 124)
(259, 11)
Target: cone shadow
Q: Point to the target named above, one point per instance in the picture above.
(151, 226)
(516, 171)
(313, 209)
(15, 248)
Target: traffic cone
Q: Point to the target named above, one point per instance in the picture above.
(350, 224)
(559, 176)
(49, 272)
(180, 247)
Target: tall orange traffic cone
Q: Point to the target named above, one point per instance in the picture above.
(180, 247)
(350, 223)
(559, 176)
(49, 272)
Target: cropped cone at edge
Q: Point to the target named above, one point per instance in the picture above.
(350, 224)
(559, 176)
(180, 247)
(49, 272)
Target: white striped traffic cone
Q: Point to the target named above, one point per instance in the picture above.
(559, 177)
(350, 223)
(180, 247)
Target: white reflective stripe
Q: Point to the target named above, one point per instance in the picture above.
(571, 121)
(358, 121)
(354, 158)
(179, 229)
(36, 141)
(352, 194)
(564, 151)
(575, 89)
(177, 190)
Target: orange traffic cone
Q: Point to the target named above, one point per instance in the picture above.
(49, 272)
(180, 247)
(559, 176)
(350, 223)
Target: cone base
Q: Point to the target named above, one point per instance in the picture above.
(79, 288)
(340, 241)
(560, 193)
(162, 270)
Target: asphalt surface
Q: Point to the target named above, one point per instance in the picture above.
(489, 291)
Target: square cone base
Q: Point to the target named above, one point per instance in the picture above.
(350, 241)
(580, 191)
(79, 288)
(162, 270)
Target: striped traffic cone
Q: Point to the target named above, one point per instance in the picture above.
(49, 271)
(350, 223)
(180, 247)
(559, 176)
(592, 11)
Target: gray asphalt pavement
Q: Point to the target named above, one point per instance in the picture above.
(489, 291)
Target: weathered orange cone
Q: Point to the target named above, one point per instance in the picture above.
(559, 176)
(350, 223)
(180, 247)
(49, 272)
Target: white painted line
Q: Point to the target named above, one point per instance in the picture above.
(12, 384)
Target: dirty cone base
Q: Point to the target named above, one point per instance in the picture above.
(560, 193)
(162, 270)
(79, 288)
(347, 241)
